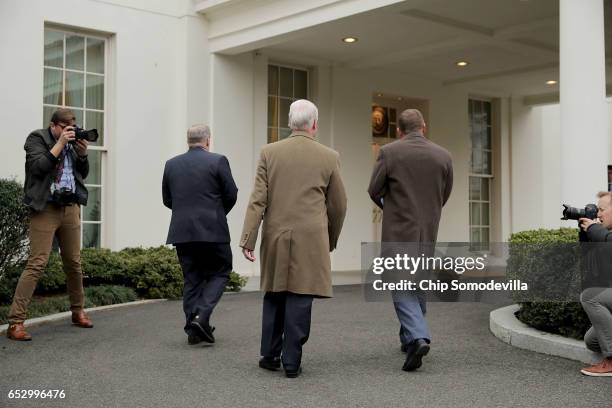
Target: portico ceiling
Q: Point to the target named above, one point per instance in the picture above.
(511, 45)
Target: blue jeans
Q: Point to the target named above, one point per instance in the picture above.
(410, 309)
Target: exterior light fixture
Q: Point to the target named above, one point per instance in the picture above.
(551, 82)
(462, 63)
(349, 40)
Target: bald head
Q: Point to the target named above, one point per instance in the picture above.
(411, 121)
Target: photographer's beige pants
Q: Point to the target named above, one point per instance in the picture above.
(65, 222)
(597, 303)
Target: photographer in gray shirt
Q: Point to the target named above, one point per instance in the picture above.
(596, 299)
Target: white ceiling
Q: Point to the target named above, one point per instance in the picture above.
(512, 45)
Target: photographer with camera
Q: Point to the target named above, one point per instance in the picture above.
(55, 169)
(596, 298)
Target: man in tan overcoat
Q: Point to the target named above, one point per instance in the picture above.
(411, 181)
(299, 195)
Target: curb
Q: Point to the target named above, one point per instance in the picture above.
(64, 315)
(506, 327)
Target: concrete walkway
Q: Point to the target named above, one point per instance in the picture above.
(138, 357)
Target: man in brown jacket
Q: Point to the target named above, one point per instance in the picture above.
(299, 195)
(411, 181)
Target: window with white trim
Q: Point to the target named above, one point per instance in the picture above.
(481, 172)
(285, 85)
(74, 77)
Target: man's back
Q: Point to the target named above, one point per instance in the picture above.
(414, 178)
(199, 188)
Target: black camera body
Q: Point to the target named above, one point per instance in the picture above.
(89, 135)
(63, 197)
(571, 213)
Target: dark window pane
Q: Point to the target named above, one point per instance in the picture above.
(286, 82)
(486, 138)
(301, 84)
(52, 87)
(485, 214)
(272, 80)
(272, 111)
(486, 163)
(54, 49)
(484, 192)
(474, 188)
(95, 120)
(272, 135)
(487, 112)
(91, 235)
(284, 112)
(475, 213)
(78, 116)
(95, 55)
(92, 211)
(95, 92)
(476, 162)
(75, 52)
(475, 235)
(74, 90)
(95, 167)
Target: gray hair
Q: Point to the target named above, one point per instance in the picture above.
(302, 115)
(198, 134)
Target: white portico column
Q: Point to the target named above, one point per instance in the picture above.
(584, 118)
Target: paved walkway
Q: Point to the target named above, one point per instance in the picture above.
(138, 357)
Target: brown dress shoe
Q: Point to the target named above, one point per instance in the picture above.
(603, 369)
(16, 331)
(81, 319)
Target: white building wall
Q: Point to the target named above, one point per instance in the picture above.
(537, 166)
(157, 85)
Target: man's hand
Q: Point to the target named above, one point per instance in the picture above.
(585, 223)
(67, 135)
(248, 254)
(81, 147)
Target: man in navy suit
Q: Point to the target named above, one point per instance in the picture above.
(199, 189)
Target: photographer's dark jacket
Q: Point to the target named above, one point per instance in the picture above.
(596, 256)
(199, 189)
(41, 169)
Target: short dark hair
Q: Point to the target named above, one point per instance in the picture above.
(410, 121)
(63, 115)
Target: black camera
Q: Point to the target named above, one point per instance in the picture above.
(570, 213)
(82, 134)
(63, 196)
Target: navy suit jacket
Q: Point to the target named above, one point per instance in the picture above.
(199, 189)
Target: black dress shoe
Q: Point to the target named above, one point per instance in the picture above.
(293, 372)
(203, 330)
(415, 353)
(193, 339)
(270, 363)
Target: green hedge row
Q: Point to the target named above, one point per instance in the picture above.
(151, 272)
(533, 251)
(94, 296)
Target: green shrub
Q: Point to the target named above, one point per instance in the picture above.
(532, 255)
(14, 217)
(152, 272)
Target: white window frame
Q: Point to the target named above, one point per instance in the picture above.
(278, 96)
(103, 186)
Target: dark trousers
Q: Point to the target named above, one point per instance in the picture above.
(206, 269)
(286, 326)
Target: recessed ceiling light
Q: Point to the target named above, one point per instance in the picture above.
(379, 94)
(462, 63)
(349, 40)
(551, 82)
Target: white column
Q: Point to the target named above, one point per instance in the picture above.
(584, 116)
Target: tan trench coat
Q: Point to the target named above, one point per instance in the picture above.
(299, 195)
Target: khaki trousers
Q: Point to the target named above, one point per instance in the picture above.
(65, 223)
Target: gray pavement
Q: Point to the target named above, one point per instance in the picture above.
(138, 357)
